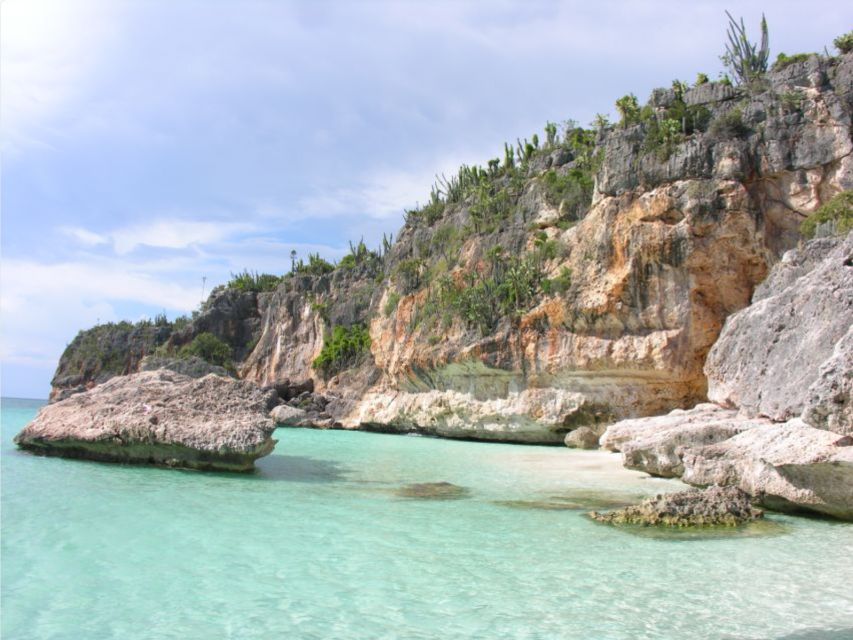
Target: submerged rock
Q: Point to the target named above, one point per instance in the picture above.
(158, 417)
(432, 491)
(714, 506)
(573, 501)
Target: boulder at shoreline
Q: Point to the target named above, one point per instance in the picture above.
(158, 417)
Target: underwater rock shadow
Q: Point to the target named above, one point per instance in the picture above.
(432, 491)
(298, 469)
(819, 634)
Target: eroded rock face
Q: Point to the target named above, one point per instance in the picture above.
(829, 401)
(287, 416)
(787, 353)
(791, 347)
(158, 417)
(715, 506)
(788, 467)
(657, 445)
(530, 416)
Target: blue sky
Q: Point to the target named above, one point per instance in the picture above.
(147, 145)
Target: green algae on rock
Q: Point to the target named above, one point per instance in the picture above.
(714, 506)
(433, 491)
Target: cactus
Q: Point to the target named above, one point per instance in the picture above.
(745, 59)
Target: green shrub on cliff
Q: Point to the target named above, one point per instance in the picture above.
(629, 110)
(316, 266)
(839, 211)
(359, 255)
(208, 347)
(844, 43)
(253, 281)
(728, 125)
(783, 60)
(391, 303)
(344, 348)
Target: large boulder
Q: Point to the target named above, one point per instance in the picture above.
(788, 467)
(770, 354)
(656, 445)
(159, 417)
(287, 416)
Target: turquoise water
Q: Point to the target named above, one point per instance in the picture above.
(318, 544)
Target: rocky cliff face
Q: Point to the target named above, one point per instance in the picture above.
(576, 282)
(782, 368)
(108, 350)
(670, 246)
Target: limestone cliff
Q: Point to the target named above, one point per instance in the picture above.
(668, 247)
(574, 282)
(782, 370)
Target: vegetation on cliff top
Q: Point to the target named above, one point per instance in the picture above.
(209, 348)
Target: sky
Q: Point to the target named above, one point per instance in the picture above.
(150, 148)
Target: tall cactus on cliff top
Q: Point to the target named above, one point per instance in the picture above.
(745, 59)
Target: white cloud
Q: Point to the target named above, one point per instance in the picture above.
(26, 281)
(42, 306)
(173, 234)
(48, 49)
(84, 236)
(384, 193)
(161, 233)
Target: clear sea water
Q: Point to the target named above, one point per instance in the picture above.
(319, 544)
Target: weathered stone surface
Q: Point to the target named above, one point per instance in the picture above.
(582, 438)
(714, 506)
(107, 350)
(194, 367)
(769, 354)
(789, 467)
(530, 416)
(158, 417)
(829, 401)
(657, 444)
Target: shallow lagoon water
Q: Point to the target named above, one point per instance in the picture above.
(321, 543)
